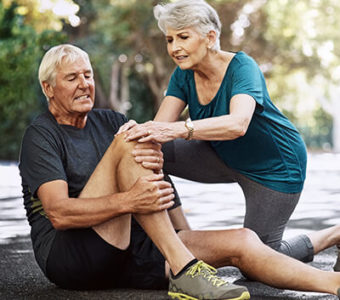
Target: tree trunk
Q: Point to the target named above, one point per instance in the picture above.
(119, 92)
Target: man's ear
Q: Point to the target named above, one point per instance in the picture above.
(211, 38)
(48, 89)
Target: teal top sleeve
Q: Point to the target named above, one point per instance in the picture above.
(247, 79)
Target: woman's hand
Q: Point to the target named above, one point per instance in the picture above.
(150, 194)
(158, 132)
(127, 126)
(149, 155)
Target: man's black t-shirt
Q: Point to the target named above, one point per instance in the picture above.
(51, 151)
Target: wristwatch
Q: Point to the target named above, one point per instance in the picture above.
(190, 126)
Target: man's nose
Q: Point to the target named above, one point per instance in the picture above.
(83, 82)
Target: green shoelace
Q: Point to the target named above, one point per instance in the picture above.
(203, 269)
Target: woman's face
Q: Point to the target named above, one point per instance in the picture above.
(186, 47)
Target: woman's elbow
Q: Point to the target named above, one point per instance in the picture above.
(240, 130)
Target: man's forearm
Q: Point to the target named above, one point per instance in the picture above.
(87, 212)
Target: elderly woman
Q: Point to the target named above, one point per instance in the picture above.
(235, 134)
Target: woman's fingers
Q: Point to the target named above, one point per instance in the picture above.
(125, 127)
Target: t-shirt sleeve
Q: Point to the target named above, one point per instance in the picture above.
(247, 79)
(176, 87)
(40, 159)
(115, 119)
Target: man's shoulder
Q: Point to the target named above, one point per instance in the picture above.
(105, 112)
(42, 122)
(107, 115)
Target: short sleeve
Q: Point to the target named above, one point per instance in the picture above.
(40, 159)
(176, 87)
(248, 79)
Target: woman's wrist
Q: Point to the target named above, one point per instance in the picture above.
(180, 131)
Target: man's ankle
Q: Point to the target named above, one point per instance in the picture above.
(187, 266)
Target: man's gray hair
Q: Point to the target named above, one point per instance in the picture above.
(52, 60)
(189, 13)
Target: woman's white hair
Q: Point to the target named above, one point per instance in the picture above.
(52, 60)
(189, 13)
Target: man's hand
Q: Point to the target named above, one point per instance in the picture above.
(149, 155)
(150, 194)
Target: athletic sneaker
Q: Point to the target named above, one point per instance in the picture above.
(337, 264)
(200, 282)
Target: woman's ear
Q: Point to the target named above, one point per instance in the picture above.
(211, 38)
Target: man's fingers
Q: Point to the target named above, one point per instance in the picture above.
(154, 145)
(147, 152)
(149, 159)
(154, 177)
(166, 205)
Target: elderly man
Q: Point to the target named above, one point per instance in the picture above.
(100, 219)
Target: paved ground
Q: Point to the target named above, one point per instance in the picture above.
(207, 206)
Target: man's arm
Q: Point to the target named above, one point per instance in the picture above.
(148, 194)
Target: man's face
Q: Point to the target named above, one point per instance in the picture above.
(73, 93)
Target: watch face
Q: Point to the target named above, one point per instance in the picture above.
(189, 124)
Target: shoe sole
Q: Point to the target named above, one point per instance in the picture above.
(180, 296)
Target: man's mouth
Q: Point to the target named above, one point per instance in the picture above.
(83, 97)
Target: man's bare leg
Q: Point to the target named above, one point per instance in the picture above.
(117, 172)
(243, 249)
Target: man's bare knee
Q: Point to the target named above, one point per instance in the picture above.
(120, 147)
(247, 240)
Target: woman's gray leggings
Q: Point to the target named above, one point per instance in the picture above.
(267, 211)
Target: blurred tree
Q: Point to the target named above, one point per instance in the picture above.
(288, 40)
(305, 42)
(20, 50)
(295, 43)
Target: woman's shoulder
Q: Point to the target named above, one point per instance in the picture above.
(242, 58)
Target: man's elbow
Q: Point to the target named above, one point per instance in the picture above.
(58, 221)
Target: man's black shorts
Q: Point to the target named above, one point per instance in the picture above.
(80, 259)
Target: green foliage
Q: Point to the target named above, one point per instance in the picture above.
(318, 136)
(20, 51)
(295, 42)
(141, 100)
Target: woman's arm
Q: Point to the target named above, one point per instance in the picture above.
(227, 127)
(170, 109)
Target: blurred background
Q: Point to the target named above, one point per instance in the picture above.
(296, 44)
